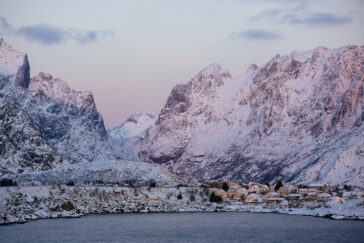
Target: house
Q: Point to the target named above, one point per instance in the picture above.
(221, 193)
(272, 195)
(254, 198)
(235, 193)
(293, 196)
(274, 200)
(312, 196)
(323, 196)
(356, 195)
(320, 187)
(305, 191)
(258, 188)
(284, 191)
(337, 199)
(293, 188)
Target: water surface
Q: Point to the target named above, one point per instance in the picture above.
(186, 227)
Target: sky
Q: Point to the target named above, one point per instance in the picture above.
(131, 53)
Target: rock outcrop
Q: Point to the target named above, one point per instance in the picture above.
(22, 147)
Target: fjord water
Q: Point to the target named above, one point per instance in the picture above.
(186, 227)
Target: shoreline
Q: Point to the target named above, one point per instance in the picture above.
(181, 212)
(24, 204)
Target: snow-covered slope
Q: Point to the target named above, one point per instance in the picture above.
(45, 85)
(22, 147)
(135, 126)
(292, 119)
(126, 138)
(114, 171)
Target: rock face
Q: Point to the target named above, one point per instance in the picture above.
(22, 147)
(15, 63)
(298, 119)
(47, 86)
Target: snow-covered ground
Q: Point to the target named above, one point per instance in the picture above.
(19, 204)
(111, 172)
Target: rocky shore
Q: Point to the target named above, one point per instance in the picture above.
(21, 204)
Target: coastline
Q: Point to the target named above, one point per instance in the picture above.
(22, 204)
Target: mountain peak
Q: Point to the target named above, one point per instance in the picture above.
(298, 57)
(16, 63)
(60, 91)
(214, 70)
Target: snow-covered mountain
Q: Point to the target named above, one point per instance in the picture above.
(295, 118)
(22, 147)
(67, 119)
(45, 125)
(45, 85)
(126, 138)
(135, 126)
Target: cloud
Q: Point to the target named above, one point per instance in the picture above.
(255, 34)
(317, 19)
(298, 15)
(50, 35)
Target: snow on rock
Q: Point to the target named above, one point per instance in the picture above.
(15, 63)
(45, 85)
(99, 171)
(295, 118)
(67, 119)
(135, 126)
(22, 147)
(73, 132)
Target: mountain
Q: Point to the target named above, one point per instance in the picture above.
(67, 119)
(126, 138)
(22, 144)
(294, 119)
(51, 133)
(135, 126)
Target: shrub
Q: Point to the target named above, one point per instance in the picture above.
(70, 183)
(8, 182)
(348, 188)
(179, 197)
(225, 186)
(152, 183)
(278, 185)
(192, 198)
(215, 198)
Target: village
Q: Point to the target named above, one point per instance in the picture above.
(285, 195)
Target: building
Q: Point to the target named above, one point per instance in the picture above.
(323, 196)
(272, 195)
(254, 198)
(284, 191)
(306, 191)
(320, 187)
(293, 196)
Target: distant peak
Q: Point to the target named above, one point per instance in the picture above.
(215, 70)
(252, 67)
(298, 57)
(45, 76)
(319, 52)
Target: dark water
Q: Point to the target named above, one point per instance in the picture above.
(186, 227)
